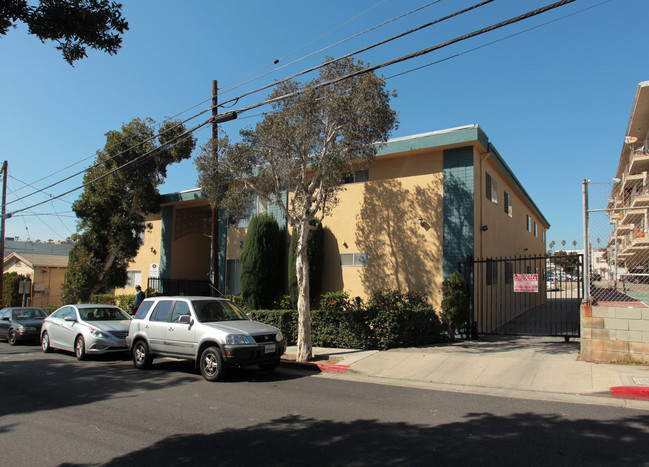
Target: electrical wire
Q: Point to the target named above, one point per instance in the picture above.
(403, 58)
(410, 56)
(364, 49)
(498, 40)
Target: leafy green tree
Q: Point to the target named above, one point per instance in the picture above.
(455, 302)
(121, 188)
(315, 253)
(74, 25)
(317, 132)
(10, 295)
(261, 263)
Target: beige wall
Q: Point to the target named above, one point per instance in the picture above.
(46, 282)
(380, 218)
(507, 236)
(149, 253)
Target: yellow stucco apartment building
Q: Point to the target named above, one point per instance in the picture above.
(426, 202)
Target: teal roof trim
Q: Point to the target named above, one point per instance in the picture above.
(180, 196)
(459, 135)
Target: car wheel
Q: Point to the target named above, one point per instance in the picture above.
(141, 357)
(211, 364)
(11, 337)
(80, 348)
(45, 342)
(269, 367)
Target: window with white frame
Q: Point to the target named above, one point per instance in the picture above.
(357, 176)
(133, 278)
(508, 204)
(491, 188)
(536, 230)
(353, 259)
(529, 223)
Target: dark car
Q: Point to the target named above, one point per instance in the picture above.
(21, 324)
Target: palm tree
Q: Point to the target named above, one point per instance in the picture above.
(574, 244)
(552, 243)
(563, 244)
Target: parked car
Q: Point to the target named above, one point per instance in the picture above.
(86, 329)
(213, 332)
(20, 324)
(550, 284)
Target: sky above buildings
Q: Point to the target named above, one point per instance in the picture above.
(553, 92)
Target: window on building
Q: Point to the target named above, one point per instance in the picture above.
(491, 188)
(357, 176)
(536, 230)
(492, 272)
(508, 204)
(353, 259)
(529, 223)
(133, 278)
(233, 277)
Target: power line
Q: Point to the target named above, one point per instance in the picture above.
(235, 100)
(364, 49)
(498, 40)
(410, 56)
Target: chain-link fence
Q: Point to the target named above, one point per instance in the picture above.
(616, 240)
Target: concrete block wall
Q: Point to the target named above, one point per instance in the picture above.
(614, 334)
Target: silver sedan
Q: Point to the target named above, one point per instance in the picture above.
(86, 329)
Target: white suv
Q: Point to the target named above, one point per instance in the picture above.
(213, 332)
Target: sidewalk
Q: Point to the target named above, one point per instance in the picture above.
(542, 368)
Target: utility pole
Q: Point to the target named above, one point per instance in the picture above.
(3, 215)
(215, 207)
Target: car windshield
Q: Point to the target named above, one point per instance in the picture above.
(102, 314)
(30, 313)
(217, 310)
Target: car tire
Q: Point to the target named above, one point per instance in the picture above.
(211, 364)
(11, 337)
(80, 348)
(269, 367)
(45, 342)
(141, 357)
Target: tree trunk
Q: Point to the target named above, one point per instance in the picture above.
(304, 347)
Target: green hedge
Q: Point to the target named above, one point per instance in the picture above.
(390, 320)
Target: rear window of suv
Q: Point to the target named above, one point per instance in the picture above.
(143, 310)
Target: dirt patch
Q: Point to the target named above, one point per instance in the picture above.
(320, 359)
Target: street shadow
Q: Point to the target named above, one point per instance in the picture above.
(48, 382)
(494, 344)
(478, 439)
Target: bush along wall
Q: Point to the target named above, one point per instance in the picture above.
(391, 319)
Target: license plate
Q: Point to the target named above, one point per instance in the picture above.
(269, 348)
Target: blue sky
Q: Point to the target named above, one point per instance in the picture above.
(553, 98)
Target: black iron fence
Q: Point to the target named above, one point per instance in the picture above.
(188, 287)
(538, 295)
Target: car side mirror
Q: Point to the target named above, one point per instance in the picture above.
(6, 318)
(70, 318)
(185, 319)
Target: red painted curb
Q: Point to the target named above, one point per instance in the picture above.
(631, 392)
(333, 368)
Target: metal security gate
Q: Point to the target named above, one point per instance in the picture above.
(526, 295)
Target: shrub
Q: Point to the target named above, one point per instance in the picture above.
(261, 262)
(455, 304)
(10, 291)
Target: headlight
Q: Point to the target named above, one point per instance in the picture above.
(238, 339)
(97, 333)
(20, 328)
(279, 337)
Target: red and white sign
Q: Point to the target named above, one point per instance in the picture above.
(526, 282)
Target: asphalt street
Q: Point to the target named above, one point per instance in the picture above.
(58, 411)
